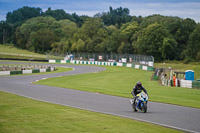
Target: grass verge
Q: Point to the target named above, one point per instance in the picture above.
(195, 66)
(119, 81)
(19, 114)
(9, 51)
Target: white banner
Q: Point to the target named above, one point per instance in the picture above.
(124, 60)
(129, 65)
(137, 66)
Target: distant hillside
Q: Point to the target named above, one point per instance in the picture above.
(9, 51)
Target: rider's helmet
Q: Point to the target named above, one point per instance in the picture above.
(139, 84)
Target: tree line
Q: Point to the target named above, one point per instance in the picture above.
(115, 31)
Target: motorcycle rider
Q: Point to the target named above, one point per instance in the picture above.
(136, 90)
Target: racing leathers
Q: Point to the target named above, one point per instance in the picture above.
(136, 90)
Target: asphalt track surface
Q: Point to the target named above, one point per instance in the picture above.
(177, 117)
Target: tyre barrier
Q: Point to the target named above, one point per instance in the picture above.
(49, 69)
(181, 83)
(130, 65)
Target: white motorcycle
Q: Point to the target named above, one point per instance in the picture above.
(140, 103)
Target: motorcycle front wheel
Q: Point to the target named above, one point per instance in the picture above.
(144, 108)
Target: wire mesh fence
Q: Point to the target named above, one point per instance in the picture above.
(112, 57)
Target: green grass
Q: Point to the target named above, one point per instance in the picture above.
(22, 115)
(182, 67)
(27, 62)
(9, 51)
(12, 49)
(119, 81)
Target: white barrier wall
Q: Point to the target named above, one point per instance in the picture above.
(52, 61)
(4, 72)
(63, 61)
(119, 64)
(144, 67)
(26, 71)
(106, 64)
(42, 70)
(129, 65)
(72, 61)
(137, 66)
(78, 61)
(52, 68)
(186, 83)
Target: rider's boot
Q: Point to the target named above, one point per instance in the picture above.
(135, 110)
(134, 106)
(131, 101)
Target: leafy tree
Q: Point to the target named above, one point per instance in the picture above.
(193, 48)
(58, 14)
(68, 28)
(80, 45)
(127, 30)
(169, 48)
(5, 32)
(100, 47)
(111, 42)
(19, 16)
(91, 27)
(138, 19)
(151, 39)
(79, 20)
(61, 47)
(124, 48)
(74, 47)
(92, 33)
(116, 16)
(41, 40)
(37, 34)
(181, 30)
(22, 14)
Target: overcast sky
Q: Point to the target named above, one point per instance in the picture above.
(180, 8)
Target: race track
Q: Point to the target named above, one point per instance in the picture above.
(178, 117)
